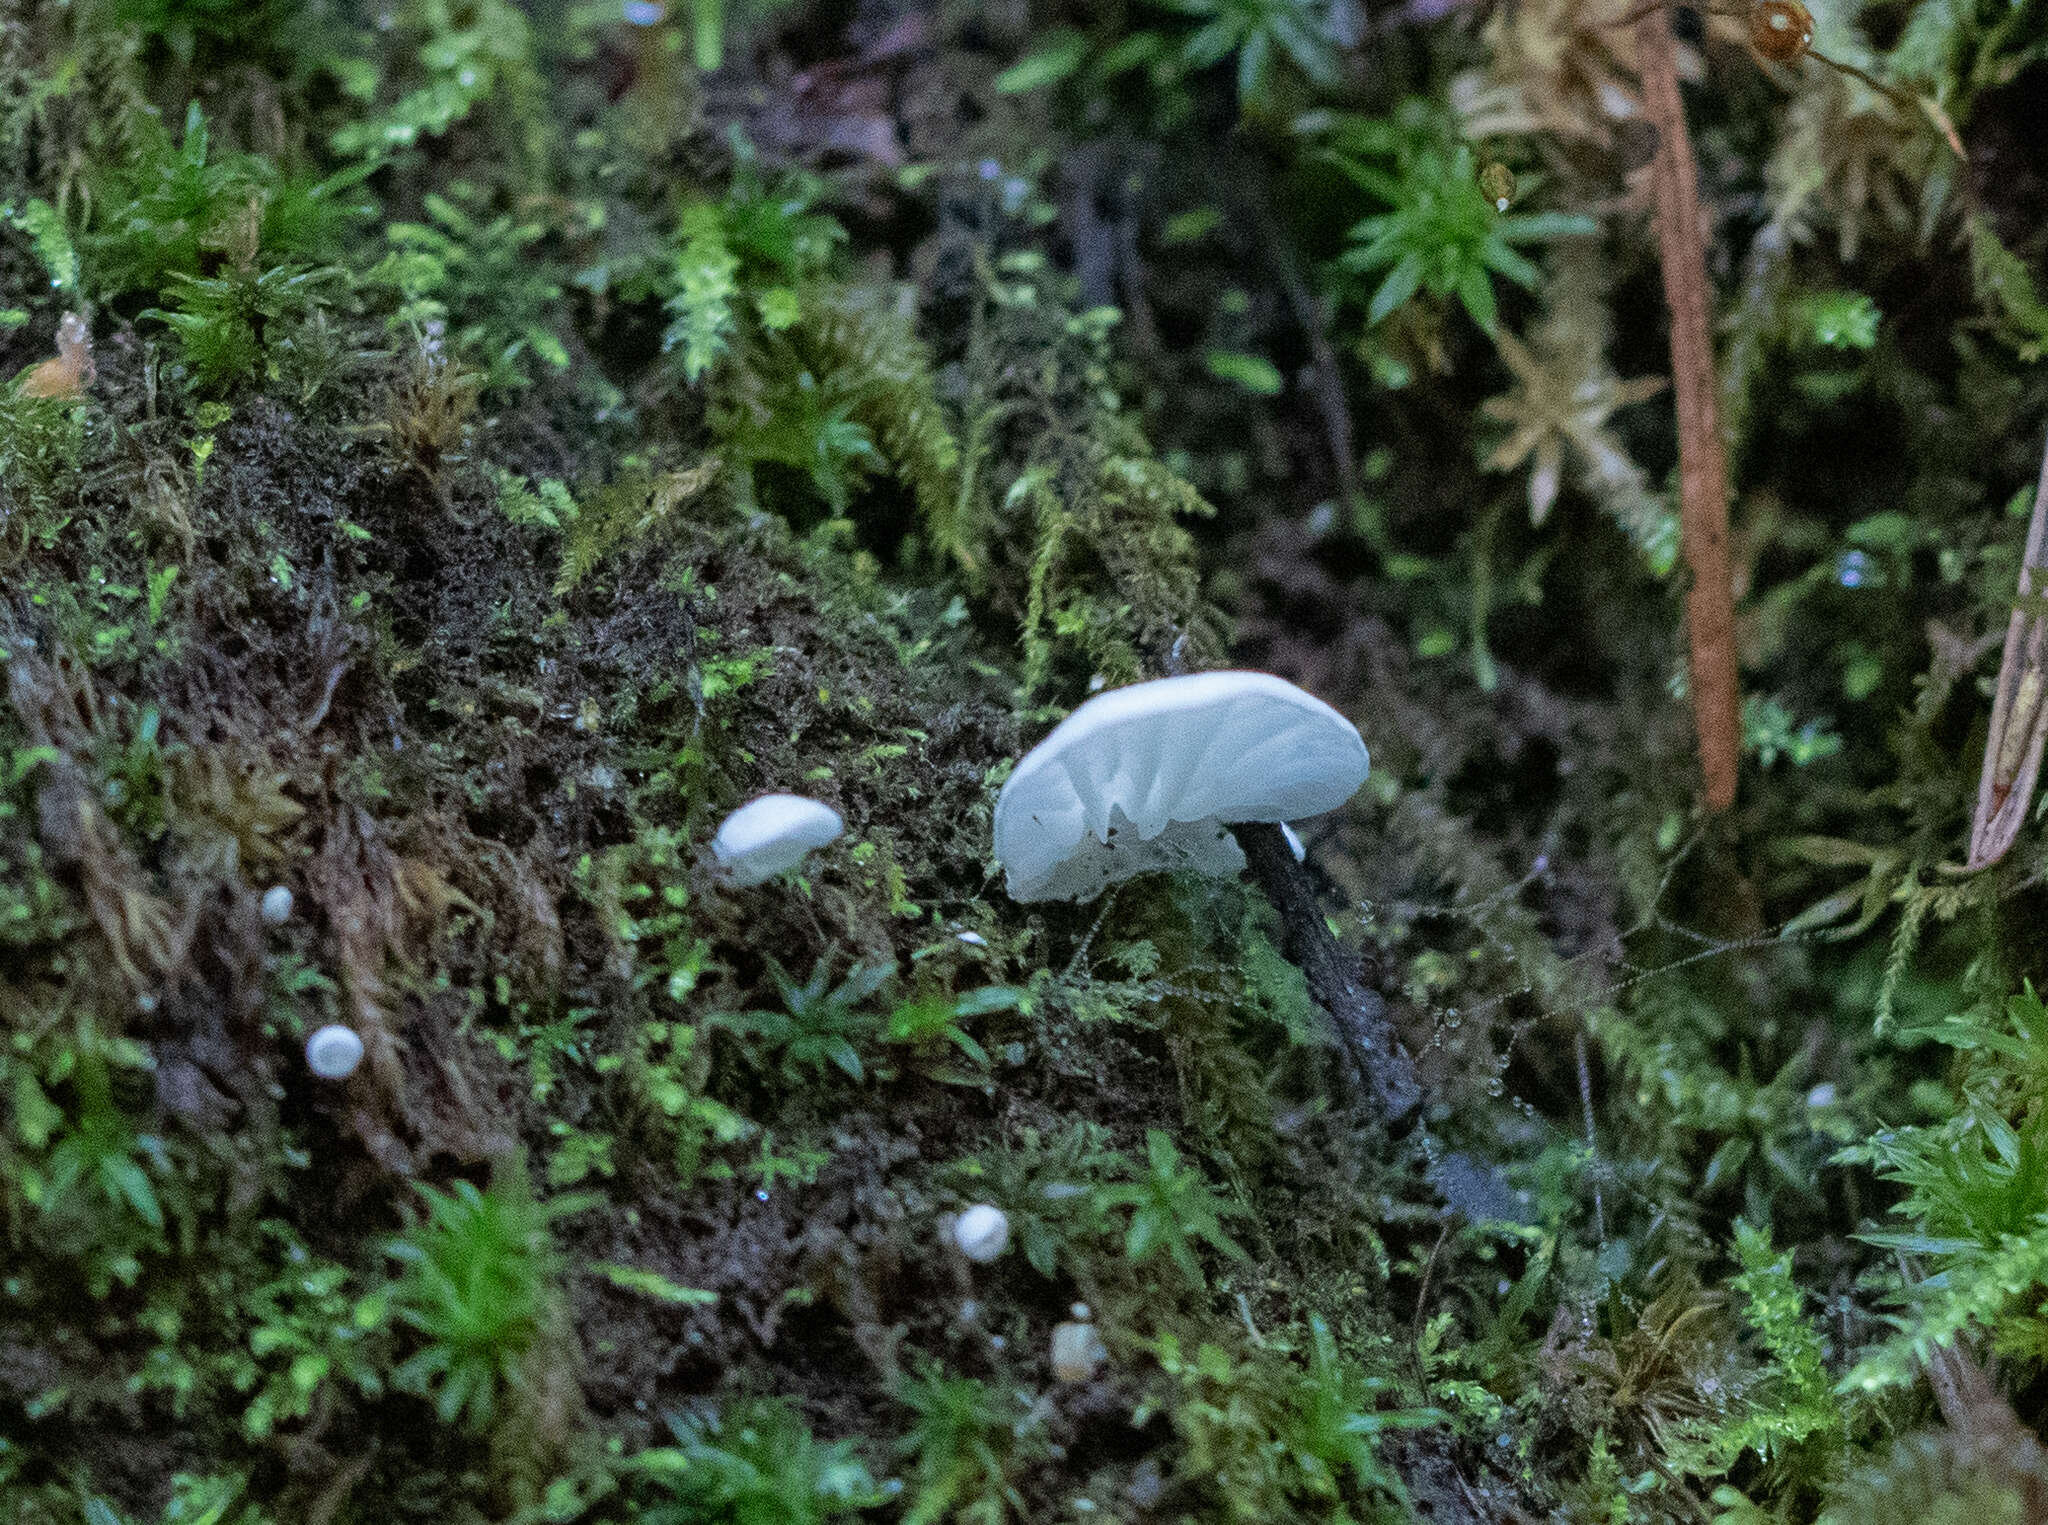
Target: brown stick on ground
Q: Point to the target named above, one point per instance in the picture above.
(1702, 460)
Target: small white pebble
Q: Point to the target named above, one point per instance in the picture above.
(333, 1052)
(277, 905)
(982, 1232)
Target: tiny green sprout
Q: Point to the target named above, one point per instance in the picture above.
(933, 1019)
(1050, 1191)
(818, 1025)
(753, 1462)
(1257, 33)
(1443, 234)
(479, 1284)
(967, 1437)
(1173, 1210)
(1335, 1423)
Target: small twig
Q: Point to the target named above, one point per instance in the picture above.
(1702, 457)
(312, 722)
(2019, 715)
(1415, 1324)
(1592, 1139)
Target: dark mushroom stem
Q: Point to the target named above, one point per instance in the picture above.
(1378, 1063)
(1336, 978)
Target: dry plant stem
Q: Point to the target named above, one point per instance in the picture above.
(2019, 713)
(1702, 459)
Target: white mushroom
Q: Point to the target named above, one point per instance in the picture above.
(1077, 1351)
(277, 905)
(333, 1052)
(1150, 776)
(982, 1232)
(765, 836)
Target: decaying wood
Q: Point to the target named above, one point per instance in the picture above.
(2019, 712)
(1702, 458)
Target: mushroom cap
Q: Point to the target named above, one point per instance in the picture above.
(1149, 776)
(334, 1051)
(775, 832)
(277, 905)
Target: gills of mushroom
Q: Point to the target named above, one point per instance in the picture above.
(1152, 777)
(771, 835)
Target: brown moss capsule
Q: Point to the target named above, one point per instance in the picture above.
(1781, 30)
(1498, 181)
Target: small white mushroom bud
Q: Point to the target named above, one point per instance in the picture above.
(982, 1232)
(277, 905)
(333, 1052)
(769, 835)
(1077, 1352)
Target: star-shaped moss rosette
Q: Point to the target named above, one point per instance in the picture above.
(1554, 405)
(1569, 71)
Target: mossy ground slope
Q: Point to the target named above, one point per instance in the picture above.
(460, 450)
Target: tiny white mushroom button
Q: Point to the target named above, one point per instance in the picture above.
(1077, 1351)
(774, 833)
(333, 1052)
(982, 1232)
(277, 905)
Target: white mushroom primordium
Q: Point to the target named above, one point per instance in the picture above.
(1152, 776)
(1077, 1351)
(982, 1232)
(776, 832)
(333, 1052)
(277, 905)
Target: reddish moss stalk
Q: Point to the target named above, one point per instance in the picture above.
(1702, 460)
